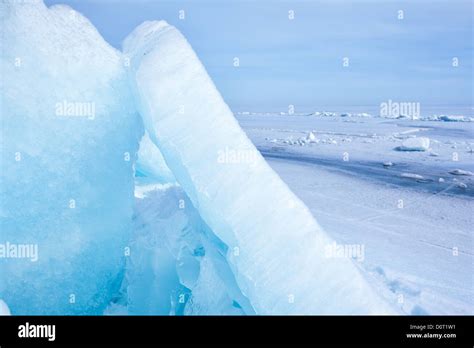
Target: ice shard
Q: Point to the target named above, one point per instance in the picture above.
(175, 264)
(275, 246)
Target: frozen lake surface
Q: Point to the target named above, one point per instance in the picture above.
(411, 210)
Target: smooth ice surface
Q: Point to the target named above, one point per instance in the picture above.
(69, 138)
(276, 248)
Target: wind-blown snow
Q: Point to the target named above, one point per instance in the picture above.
(275, 246)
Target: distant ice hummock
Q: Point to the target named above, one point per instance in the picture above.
(415, 144)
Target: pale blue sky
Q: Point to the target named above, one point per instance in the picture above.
(299, 61)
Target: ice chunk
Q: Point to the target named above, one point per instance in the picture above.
(311, 138)
(175, 265)
(4, 310)
(275, 246)
(461, 172)
(209, 296)
(412, 176)
(415, 144)
(70, 134)
(452, 118)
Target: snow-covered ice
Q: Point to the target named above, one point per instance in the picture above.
(415, 144)
(461, 172)
(411, 176)
(417, 232)
(311, 138)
